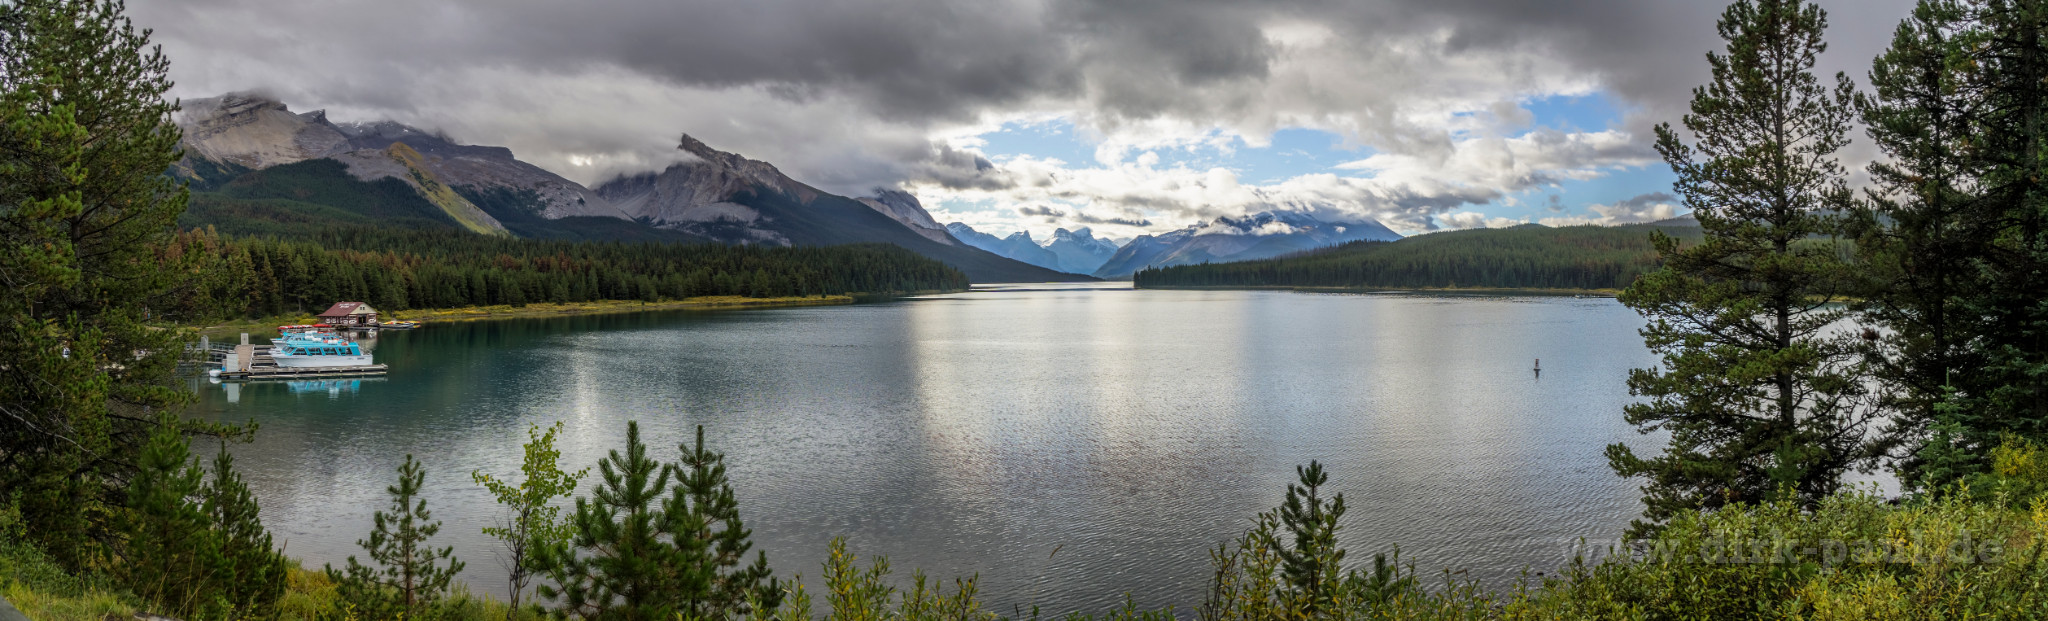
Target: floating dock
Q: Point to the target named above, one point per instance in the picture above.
(277, 372)
(253, 362)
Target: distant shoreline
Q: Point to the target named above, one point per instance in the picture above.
(1605, 293)
(604, 307)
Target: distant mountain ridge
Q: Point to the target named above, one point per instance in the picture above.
(714, 196)
(1074, 252)
(1257, 236)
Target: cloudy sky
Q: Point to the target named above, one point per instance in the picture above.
(1129, 116)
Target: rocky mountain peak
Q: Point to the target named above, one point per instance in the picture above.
(903, 207)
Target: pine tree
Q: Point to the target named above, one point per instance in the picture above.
(1919, 236)
(251, 579)
(621, 562)
(1756, 394)
(711, 517)
(413, 575)
(2009, 67)
(171, 555)
(534, 524)
(1313, 566)
(85, 135)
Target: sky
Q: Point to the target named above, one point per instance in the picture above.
(1126, 116)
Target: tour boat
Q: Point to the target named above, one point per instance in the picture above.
(315, 346)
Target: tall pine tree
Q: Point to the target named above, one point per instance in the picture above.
(2009, 67)
(1756, 391)
(411, 576)
(621, 562)
(85, 136)
(1919, 236)
(711, 516)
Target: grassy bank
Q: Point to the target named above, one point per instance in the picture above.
(473, 313)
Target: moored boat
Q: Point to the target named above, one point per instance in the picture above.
(315, 346)
(399, 325)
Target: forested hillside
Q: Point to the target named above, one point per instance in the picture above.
(296, 237)
(444, 268)
(1523, 257)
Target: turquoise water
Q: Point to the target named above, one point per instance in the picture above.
(978, 433)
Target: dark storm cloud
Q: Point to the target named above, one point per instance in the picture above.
(850, 92)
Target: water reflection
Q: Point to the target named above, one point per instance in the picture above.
(978, 433)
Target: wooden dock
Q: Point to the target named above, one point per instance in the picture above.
(277, 372)
(253, 362)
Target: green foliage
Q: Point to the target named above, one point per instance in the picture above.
(866, 595)
(534, 523)
(1523, 257)
(85, 136)
(1758, 395)
(250, 579)
(194, 547)
(1953, 237)
(635, 554)
(1313, 567)
(396, 270)
(711, 514)
(414, 577)
(169, 557)
(622, 560)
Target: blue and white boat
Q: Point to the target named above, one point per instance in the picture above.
(309, 346)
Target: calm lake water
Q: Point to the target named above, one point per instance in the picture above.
(1130, 431)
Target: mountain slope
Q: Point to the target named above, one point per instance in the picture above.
(239, 132)
(1256, 236)
(729, 198)
(714, 197)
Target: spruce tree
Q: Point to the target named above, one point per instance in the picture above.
(621, 562)
(1919, 237)
(2008, 63)
(413, 575)
(85, 136)
(711, 517)
(251, 578)
(171, 557)
(1756, 392)
(1313, 565)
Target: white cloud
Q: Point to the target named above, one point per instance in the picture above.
(1645, 208)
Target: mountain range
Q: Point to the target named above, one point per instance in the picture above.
(1257, 236)
(259, 167)
(260, 157)
(1075, 252)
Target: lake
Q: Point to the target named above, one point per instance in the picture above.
(1070, 444)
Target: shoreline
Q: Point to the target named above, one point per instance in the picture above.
(547, 309)
(1604, 293)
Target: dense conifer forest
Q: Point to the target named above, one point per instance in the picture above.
(236, 277)
(1523, 257)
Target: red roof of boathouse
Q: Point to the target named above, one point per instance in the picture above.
(344, 309)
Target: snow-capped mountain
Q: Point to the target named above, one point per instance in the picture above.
(1018, 246)
(1256, 236)
(1079, 251)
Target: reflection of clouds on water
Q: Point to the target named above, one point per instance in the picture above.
(976, 433)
